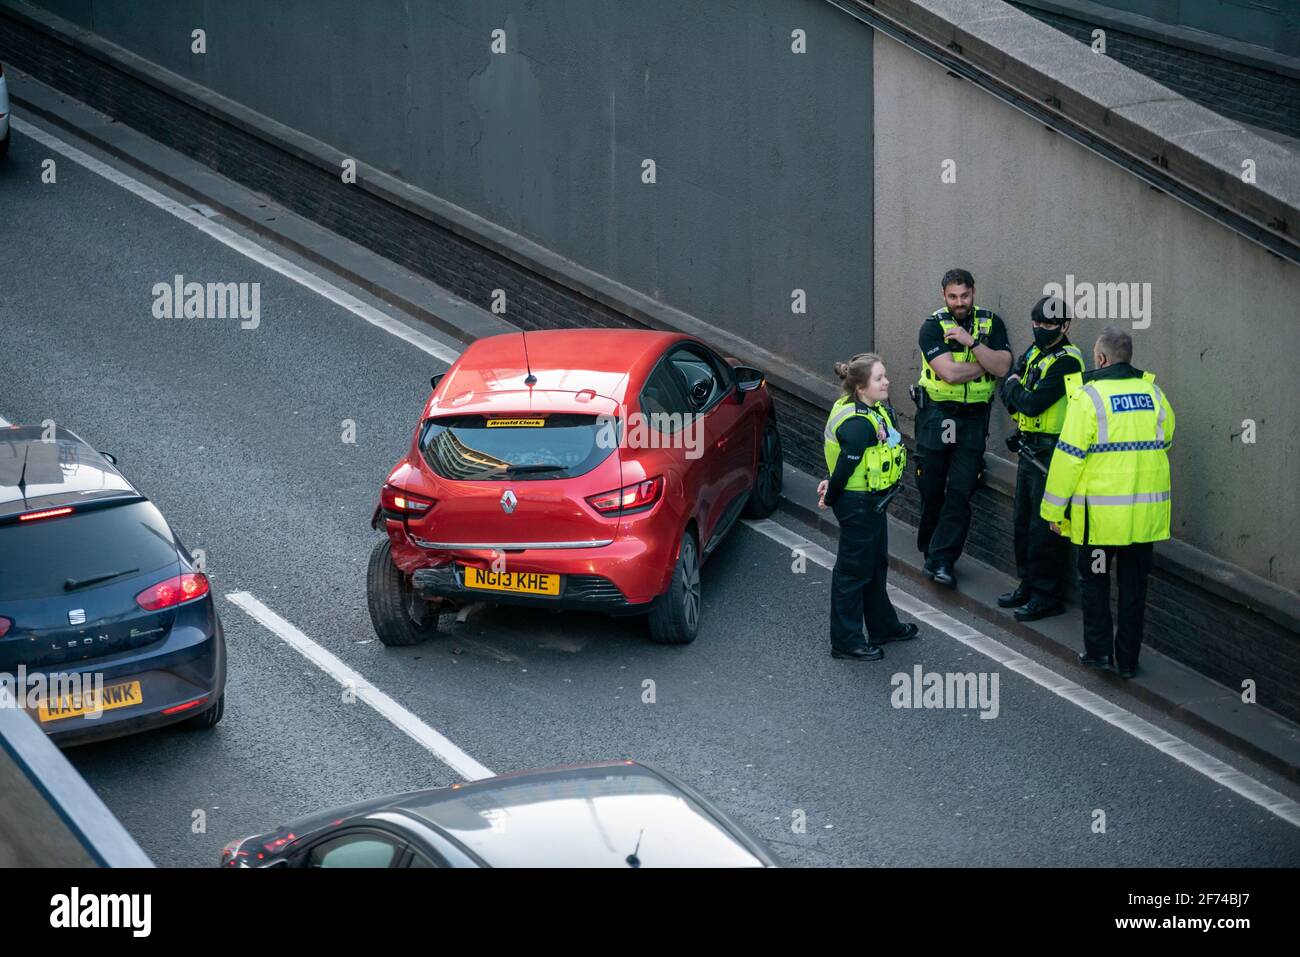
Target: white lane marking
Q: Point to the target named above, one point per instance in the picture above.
(1146, 732)
(243, 245)
(438, 744)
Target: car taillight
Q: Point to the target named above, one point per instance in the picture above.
(173, 591)
(47, 513)
(4, 626)
(629, 498)
(403, 502)
(177, 709)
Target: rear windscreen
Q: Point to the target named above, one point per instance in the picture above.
(517, 447)
(37, 558)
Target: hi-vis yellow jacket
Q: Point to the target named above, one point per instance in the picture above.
(1110, 468)
(882, 464)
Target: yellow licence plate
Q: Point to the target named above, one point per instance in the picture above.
(87, 702)
(521, 583)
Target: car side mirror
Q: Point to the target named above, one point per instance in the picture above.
(112, 459)
(434, 380)
(748, 379)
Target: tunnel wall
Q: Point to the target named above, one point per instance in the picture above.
(548, 140)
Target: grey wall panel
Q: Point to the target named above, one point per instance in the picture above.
(1030, 207)
(763, 155)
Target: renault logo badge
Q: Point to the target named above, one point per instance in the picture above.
(77, 616)
(508, 501)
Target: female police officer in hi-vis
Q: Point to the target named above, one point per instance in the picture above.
(865, 456)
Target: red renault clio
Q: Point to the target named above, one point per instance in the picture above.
(578, 468)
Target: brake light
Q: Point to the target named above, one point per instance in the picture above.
(177, 709)
(48, 513)
(4, 626)
(173, 591)
(629, 498)
(398, 500)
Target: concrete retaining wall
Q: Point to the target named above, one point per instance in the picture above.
(547, 139)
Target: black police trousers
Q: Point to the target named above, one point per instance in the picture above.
(858, 595)
(946, 478)
(1132, 564)
(1042, 556)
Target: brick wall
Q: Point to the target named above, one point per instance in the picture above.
(1218, 638)
(1243, 93)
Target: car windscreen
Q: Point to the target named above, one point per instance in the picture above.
(38, 557)
(517, 447)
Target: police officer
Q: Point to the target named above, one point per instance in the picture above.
(1108, 490)
(1035, 396)
(963, 350)
(865, 456)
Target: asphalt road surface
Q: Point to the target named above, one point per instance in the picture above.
(238, 435)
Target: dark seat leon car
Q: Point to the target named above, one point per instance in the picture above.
(604, 814)
(106, 625)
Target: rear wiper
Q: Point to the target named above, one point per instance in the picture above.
(72, 584)
(525, 469)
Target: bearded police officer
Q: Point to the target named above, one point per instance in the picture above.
(1108, 490)
(1034, 394)
(963, 350)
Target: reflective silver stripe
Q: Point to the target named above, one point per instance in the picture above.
(1160, 417)
(837, 420)
(509, 546)
(1141, 498)
(1054, 499)
(1103, 430)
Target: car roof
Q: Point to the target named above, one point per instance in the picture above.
(604, 361)
(40, 469)
(589, 815)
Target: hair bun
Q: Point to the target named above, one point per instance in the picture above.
(842, 369)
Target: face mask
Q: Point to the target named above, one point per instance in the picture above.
(1045, 337)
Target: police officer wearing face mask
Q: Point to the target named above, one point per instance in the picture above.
(1034, 394)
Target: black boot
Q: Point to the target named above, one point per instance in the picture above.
(1014, 599)
(1035, 609)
